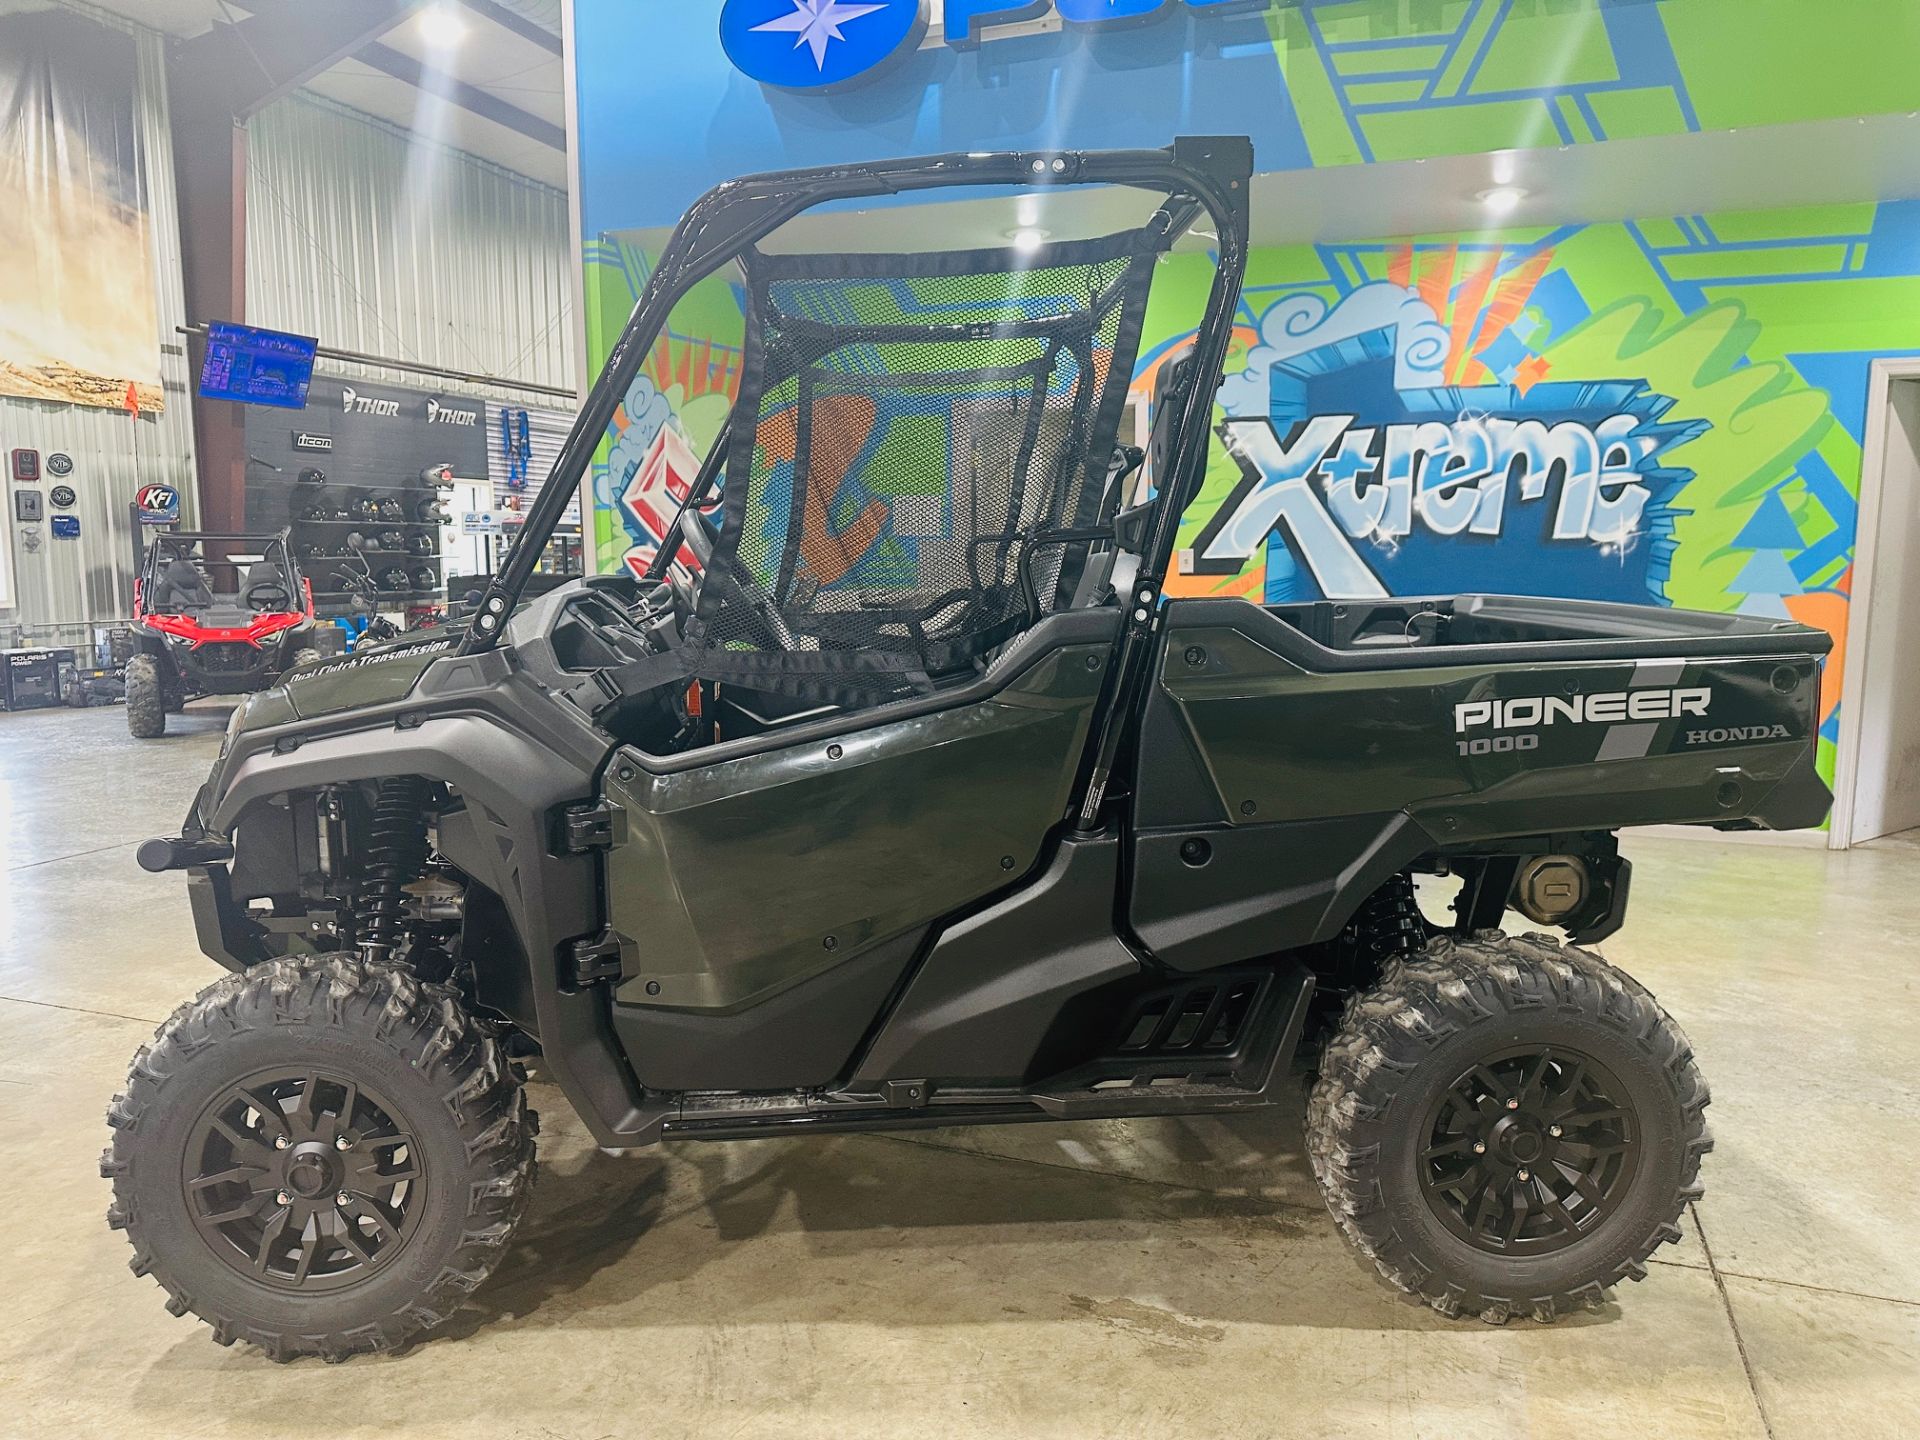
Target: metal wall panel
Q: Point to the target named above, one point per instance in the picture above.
(405, 248)
(65, 587)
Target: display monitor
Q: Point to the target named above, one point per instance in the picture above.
(257, 367)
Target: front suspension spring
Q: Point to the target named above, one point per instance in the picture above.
(396, 854)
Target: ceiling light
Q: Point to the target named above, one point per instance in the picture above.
(1027, 239)
(1027, 211)
(1502, 199)
(1506, 167)
(441, 28)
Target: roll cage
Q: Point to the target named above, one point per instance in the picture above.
(259, 565)
(1199, 178)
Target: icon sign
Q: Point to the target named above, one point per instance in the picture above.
(818, 44)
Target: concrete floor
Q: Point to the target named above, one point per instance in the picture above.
(1124, 1278)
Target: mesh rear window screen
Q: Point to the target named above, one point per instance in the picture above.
(908, 427)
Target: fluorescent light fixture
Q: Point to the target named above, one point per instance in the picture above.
(1028, 211)
(441, 27)
(1506, 167)
(1502, 199)
(1027, 239)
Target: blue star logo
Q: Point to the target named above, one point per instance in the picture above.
(818, 44)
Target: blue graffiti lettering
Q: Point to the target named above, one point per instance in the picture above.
(1331, 482)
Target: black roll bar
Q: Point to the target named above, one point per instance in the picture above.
(1210, 173)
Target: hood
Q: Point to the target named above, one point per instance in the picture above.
(373, 675)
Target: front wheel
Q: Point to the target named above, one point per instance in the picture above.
(146, 699)
(1508, 1126)
(320, 1156)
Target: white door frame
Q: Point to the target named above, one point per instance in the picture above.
(1866, 544)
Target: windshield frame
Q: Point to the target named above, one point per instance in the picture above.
(1199, 176)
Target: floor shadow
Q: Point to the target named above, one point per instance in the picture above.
(783, 1230)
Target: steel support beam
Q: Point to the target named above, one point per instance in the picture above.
(518, 24)
(215, 82)
(468, 97)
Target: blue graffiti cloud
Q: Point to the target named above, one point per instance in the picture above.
(647, 412)
(1299, 324)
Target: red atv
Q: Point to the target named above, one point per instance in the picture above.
(213, 615)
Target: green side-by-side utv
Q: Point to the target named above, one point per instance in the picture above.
(896, 793)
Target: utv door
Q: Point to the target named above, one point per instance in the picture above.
(769, 893)
(919, 459)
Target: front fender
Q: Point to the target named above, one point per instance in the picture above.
(511, 784)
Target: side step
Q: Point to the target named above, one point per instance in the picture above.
(1210, 1069)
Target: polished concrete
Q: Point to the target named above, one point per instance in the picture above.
(1114, 1279)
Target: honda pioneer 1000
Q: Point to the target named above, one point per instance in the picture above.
(896, 794)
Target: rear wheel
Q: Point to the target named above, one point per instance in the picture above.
(1508, 1126)
(146, 699)
(320, 1156)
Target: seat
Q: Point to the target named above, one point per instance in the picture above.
(180, 588)
(915, 436)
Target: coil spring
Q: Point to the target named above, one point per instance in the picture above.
(396, 854)
(1390, 924)
(1387, 926)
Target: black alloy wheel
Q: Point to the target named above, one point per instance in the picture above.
(320, 1156)
(1507, 1125)
(1529, 1150)
(303, 1179)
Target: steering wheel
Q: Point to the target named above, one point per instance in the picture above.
(267, 596)
(748, 592)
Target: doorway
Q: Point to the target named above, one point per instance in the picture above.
(1877, 774)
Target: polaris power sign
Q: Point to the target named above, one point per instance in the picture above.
(823, 44)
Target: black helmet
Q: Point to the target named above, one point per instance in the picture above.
(429, 511)
(421, 543)
(424, 578)
(312, 476)
(356, 541)
(391, 509)
(366, 508)
(393, 578)
(392, 540)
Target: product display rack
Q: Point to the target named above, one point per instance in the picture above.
(323, 570)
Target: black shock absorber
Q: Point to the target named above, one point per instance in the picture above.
(1389, 925)
(396, 854)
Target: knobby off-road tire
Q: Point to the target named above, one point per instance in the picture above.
(302, 1105)
(1440, 1058)
(305, 655)
(146, 699)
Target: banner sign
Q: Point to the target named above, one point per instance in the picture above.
(79, 322)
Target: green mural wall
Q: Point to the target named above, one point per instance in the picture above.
(1404, 79)
(1729, 354)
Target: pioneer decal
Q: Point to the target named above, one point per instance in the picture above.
(1608, 707)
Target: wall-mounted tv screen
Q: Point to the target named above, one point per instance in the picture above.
(257, 367)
